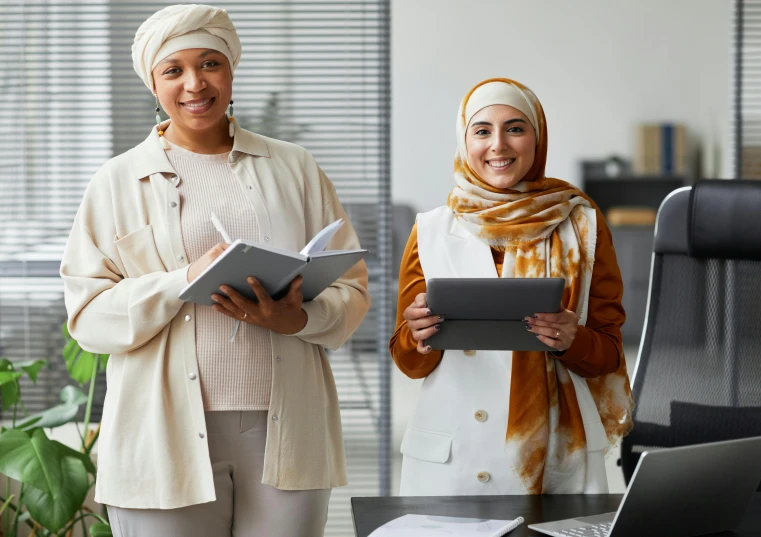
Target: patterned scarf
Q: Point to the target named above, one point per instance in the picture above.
(543, 227)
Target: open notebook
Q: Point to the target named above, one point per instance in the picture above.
(275, 268)
(441, 526)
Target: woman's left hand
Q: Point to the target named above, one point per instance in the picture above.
(284, 316)
(557, 330)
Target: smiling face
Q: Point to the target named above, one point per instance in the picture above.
(194, 87)
(501, 145)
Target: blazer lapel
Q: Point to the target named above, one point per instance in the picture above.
(468, 256)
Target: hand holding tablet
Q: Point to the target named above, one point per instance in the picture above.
(488, 313)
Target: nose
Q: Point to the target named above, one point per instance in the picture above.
(194, 81)
(499, 141)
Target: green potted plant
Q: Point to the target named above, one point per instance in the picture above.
(54, 478)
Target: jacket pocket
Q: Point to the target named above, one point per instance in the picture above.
(139, 253)
(430, 446)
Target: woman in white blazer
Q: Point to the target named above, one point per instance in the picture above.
(203, 435)
(498, 422)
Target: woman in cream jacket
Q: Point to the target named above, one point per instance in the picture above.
(202, 436)
(500, 422)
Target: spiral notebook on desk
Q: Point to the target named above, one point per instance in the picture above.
(441, 526)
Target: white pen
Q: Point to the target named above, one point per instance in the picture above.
(220, 228)
(228, 240)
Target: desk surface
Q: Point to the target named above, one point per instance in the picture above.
(371, 513)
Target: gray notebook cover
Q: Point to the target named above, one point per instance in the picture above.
(275, 268)
(487, 313)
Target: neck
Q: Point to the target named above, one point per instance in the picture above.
(206, 142)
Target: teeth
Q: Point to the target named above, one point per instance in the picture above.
(500, 163)
(198, 105)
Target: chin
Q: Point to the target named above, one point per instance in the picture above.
(202, 124)
(502, 182)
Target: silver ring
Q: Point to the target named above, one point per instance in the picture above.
(557, 334)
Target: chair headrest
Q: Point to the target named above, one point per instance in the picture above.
(724, 219)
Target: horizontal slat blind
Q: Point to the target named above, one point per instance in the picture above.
(312, 72)
(55, 132)
(746, 128)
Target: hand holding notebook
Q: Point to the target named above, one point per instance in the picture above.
(274, 268)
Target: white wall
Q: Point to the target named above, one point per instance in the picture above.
(598, 67)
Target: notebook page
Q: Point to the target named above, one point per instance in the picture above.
(443, 526)
(321, 240)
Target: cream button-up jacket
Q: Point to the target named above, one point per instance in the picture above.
(123, 267)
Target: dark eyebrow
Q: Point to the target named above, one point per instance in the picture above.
(202, 55)
(508, 122)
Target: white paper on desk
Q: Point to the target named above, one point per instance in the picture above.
(441, 526)
(321, 240)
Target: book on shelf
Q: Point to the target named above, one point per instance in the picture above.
(661, 149)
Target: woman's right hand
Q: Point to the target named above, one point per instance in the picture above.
(421, 322)
(200, 264)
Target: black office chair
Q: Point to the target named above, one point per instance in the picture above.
(698, 376)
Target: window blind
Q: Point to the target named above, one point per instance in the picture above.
(312, 72)
(746, 118)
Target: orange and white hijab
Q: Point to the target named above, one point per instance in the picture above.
(545, 228)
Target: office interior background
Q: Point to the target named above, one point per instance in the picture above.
(371, 88)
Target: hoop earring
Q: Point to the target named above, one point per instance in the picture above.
(231, 119)
(164, 142)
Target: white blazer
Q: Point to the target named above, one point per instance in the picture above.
(455, 440)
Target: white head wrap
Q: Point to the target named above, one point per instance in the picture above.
(181, 27)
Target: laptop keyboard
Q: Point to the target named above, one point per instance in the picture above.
(597, 530)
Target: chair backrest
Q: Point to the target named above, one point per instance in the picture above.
(698, 375)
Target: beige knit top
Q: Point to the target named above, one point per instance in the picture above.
(234, 375)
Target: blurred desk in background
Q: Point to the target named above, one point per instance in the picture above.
(632, 233)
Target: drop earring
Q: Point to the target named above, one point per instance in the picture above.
(231, 119)
(164, 142)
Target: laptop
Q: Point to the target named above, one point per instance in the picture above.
(678, 492)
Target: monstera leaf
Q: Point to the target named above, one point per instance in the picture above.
(54, 476)
(31, 368)
(99, 529)
(71, 399)
(10, 372)
(9, 391)
(79, 362)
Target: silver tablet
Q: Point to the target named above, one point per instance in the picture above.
(488, 313)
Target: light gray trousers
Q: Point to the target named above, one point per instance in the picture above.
(244, 506)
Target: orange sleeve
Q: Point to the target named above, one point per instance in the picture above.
(402, 346)
(598, 347)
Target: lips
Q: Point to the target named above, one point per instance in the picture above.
(198, 106)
